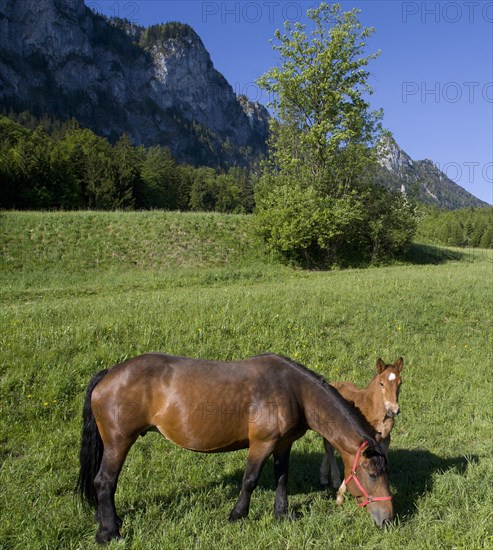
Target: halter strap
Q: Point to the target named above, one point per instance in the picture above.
(352, 475)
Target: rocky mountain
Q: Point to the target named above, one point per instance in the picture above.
(157, 84)
(421, 179)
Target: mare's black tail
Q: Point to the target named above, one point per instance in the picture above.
(91, 447)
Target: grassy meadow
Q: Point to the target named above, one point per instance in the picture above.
(81, 291)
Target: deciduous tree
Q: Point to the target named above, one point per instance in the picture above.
(317, 186)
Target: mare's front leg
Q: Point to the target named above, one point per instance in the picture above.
(329, 462)
(257, 456)
(281, 472)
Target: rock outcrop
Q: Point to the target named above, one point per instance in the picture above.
(158, 84)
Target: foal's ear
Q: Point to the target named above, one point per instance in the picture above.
(380, 366)
(399, 364)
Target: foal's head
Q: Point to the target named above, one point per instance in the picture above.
(389, 379)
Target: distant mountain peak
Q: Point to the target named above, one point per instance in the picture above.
(421, 178)
(393, 157)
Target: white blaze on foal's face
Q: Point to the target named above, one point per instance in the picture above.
(389, 377)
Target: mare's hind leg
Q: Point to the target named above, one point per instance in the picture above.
(257, 456)
(281, 471)
(105, 483)
(329, 462)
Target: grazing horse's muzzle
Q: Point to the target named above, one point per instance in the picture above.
(381, 518)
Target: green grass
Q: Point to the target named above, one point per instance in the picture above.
(81, 291)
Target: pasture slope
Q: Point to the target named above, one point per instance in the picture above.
(81, 291)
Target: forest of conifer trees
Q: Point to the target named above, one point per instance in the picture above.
(468, 227)
(52, 165)
(48, 164)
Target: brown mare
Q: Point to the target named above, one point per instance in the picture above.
(378, 403)
(264, 404)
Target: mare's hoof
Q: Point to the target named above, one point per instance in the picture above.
(236, 516)
(104, 538)
(286, 517)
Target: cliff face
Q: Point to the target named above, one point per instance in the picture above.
(422, 179)
(159, 84)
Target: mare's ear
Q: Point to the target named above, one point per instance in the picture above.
(373, 449)
(399, 364)
(380, 366)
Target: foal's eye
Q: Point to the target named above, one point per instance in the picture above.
(381, 383)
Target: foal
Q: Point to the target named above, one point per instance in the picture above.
(378, 403)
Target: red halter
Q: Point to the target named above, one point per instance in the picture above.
(369, 498)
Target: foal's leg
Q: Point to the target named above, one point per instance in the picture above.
(340, 494)
(329, 462)
(335, 474)
(105, 483)
(281, 471)
(257, 456)
(325, 467)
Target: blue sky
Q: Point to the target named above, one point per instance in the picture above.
(434, 78)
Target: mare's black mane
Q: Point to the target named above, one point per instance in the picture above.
(361, 424)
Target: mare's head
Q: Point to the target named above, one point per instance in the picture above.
(389, 380)
(366, 478)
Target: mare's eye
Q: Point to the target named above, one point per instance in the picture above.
(373, 476)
